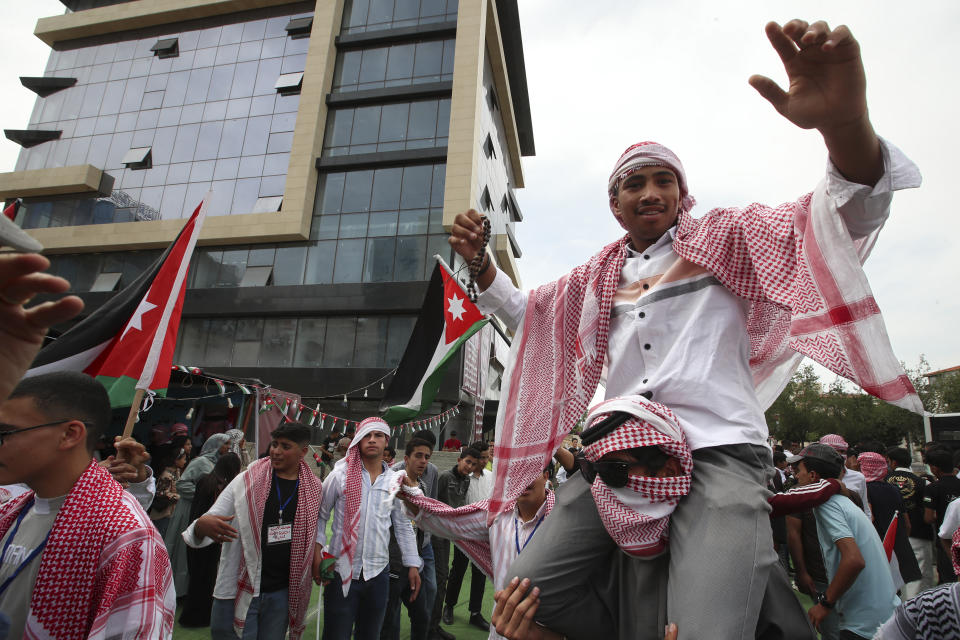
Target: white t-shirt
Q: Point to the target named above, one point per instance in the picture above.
(951, 520)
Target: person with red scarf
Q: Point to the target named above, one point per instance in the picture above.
(80, 557)
(266, 519)
(708, 317)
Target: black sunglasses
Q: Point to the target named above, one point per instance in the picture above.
(614, 474)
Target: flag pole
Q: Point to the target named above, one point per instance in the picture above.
(132, 416)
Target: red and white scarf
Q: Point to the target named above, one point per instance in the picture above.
(637, 516)
(249, 505)
(873, 466)
(104, 571)
(795, 263)
(353, 497)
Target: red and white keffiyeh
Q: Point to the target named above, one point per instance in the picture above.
(637, 516)
(353, 495)
(836, 441)
(104, 571)
(249, 506)
(795, 263)
(873, 466)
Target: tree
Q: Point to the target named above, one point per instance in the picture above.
(790, 417)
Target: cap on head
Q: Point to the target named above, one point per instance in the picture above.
(819, 451)
(646, 154)
(836, 441)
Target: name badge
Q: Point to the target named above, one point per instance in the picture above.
(279, 533)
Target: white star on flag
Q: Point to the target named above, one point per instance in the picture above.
(456, 307)
(144, 307)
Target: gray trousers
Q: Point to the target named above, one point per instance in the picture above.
(721, 578)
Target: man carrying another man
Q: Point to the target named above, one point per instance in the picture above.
(708, 317)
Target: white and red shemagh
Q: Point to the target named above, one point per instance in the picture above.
(637, 516)
(249, 506)
(353, 495)
(104, 571)
(795, 263)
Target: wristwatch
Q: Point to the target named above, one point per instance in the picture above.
(822, 600)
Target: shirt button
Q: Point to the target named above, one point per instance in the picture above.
(642, 314)
(646, 257)
(645, 380)
(647, 346)
(646, 286)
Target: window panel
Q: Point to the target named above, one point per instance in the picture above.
(429, 61)
(439, 179)
(383, 223)
(245, 194)
(219, 342)
(244, 80)
(423, 120)
(249, 329)
(378, 266)
(353, 225)
(238, 108)
(400, 62)
(310, 339)
(276, 164)
(373, 66)
(393, 123)
(349, 263)
(371, 341)
(233, 264)
(413, 222)
(416, 186)
(398, 335)
(245, 354)
(272, 186)
(176, 89)
(198, 86)
(192, 342)
(338, 345)
(257, 135)
(231, 141)
(279, 335)
(288, 265)
(410, 258)
(348, 69)
(356, 192)
(324, 227)
(331, 192)
(320, 258)
(220, 83)
(386, 189)
(208, 265)
(208, 142)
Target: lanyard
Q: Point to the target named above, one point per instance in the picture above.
(284, 503)
(516, 533)
(30, 558)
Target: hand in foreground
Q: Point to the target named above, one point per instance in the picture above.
(513, 615)
(132, 454)
(324, 565)
(215, 527)
(817, 613)
(805, 583)
(413, 575)
(22, 330)
(827, 85)
(466, 236)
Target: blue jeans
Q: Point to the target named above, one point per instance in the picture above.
(360, 612)
(267, 618)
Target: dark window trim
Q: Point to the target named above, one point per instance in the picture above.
(514, 245)
(46, 85)
(166, 48)
(27, 138)
(299, 27)
(515, 212)
(434, 31)
(411, 92)
(383, 159)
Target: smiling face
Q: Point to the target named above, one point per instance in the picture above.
(647, 204)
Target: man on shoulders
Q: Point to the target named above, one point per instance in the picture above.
(266, 519)
(860, 586)
(358, 492)
(80, 556)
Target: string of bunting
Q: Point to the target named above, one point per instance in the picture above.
(312, 416)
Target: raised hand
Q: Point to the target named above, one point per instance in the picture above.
(827, 92)
(21, 329)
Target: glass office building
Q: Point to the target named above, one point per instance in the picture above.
(337, 140)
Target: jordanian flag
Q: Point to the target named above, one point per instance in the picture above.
(128, 343)
(446, 321)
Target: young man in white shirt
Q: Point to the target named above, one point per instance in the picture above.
(266, 519)
(358, 491)
(682, 311)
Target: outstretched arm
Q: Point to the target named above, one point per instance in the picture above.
(827, 92)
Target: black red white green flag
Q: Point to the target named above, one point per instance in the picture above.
(447, 319)
(128, 343)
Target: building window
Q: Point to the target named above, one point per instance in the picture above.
(106, 282)
(488, 149)
(299, 27)
(360, 16)
(485, 202)
(390, 127)
(289, 83)
(492, 99)
(138, 158)
(166, 48)
(396, 65)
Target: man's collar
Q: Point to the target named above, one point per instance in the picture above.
(665, 239)
(904, 469)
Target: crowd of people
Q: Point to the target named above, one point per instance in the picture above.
(672, 516)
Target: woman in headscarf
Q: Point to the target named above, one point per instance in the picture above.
(237, 446)
(203, 562)
(215, 446)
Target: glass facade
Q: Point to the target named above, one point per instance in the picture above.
(389, 127)
(361, 16)
(328, 341)
(397, 65)
(211, 117)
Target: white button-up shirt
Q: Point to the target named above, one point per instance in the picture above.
(684, 344)
(377, 513)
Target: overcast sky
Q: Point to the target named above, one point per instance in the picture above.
(604, 75)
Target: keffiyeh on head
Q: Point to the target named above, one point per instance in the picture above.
(637, 516)
(236, 437)
(353, 491)
(835, 441)
(873, 466)
(647, 154)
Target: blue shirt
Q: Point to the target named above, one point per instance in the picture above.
(872, 598)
